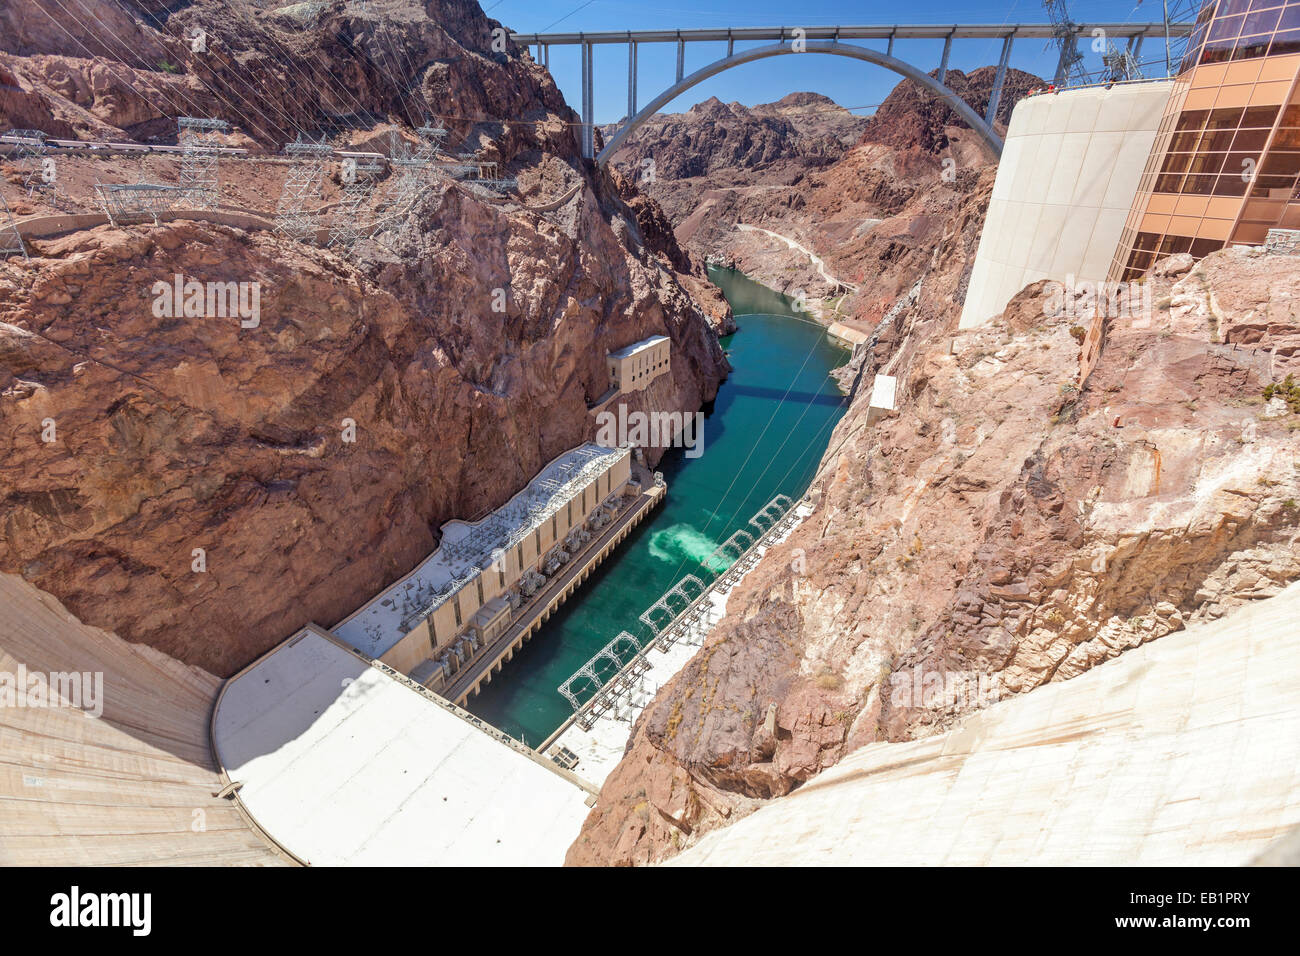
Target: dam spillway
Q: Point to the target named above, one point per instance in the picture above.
(763, 436)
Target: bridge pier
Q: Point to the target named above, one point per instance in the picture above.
(631, 77)
(681, 57)
(588, 101)
(943, 63)
(1063, 61)
(998, 80)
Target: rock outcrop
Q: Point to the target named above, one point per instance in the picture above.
(912, 118)
(728, 139)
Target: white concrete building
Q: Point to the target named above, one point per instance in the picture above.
(884, 389)
(1069, 171)
(460, 598)
(635, 367)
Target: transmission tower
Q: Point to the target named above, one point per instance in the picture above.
(126, 203)
(294, 218)
(1069, 65)
(358, 185)
(431, 138)
(11, 240)
(411, 168)
(1119, 64)
(200, 177)
(30, 150)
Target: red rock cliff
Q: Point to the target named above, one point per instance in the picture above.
(1010, 526)
(463, 352)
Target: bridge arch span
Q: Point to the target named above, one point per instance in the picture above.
(991, 140)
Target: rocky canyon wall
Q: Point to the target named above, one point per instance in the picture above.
(206, 484)
(1010, 525)
(830, 208)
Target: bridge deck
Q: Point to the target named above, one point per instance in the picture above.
(926, 31)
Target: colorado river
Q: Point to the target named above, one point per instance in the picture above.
(763, 436)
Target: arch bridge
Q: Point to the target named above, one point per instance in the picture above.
(797, 41)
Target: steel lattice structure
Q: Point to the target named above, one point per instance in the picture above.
(431, 138)
(1069, 63)
(358, 186)
(200, 175)
(727, 553)
(296, 213)
(589, 674)
(679, 592)
(456, 170)
(30, 151)
(136, 202)
(411, 169)
(11, 240)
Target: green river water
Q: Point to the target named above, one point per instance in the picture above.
(763, 435)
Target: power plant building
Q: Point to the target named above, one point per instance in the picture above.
(463, 595)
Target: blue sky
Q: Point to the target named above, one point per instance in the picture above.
(848, 82)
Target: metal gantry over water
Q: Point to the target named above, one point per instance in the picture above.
(680, 614)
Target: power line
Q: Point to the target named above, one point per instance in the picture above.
(566, 16)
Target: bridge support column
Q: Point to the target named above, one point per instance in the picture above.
(546, 55)
(588, 98)
(631, 79)
(681, 58)
(943, 63)
(731, 43)
(998, 80)
(889, 50)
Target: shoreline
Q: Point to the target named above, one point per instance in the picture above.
(813, 311)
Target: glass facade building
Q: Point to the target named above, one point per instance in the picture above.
(1225, 161)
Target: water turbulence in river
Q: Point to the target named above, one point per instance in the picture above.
(763, 436)
(680, 543)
